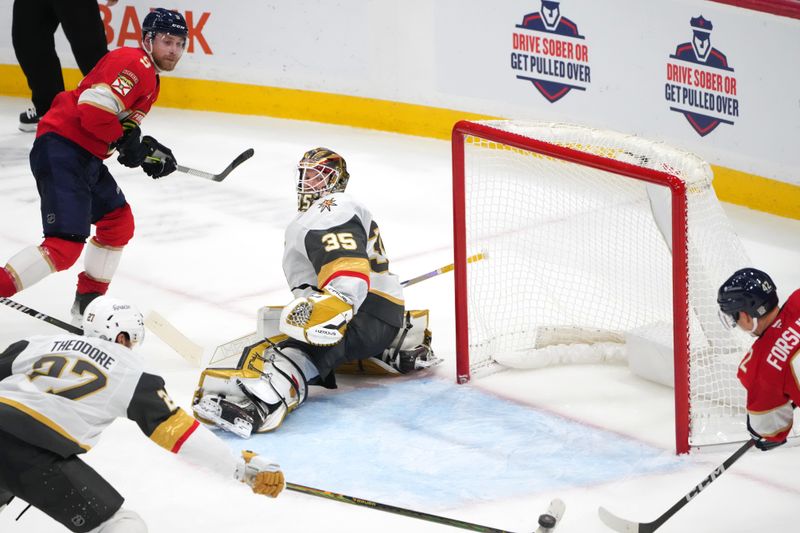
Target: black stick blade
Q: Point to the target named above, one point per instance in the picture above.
(241, 158)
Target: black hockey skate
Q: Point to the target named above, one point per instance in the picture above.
(28, 120)
(405, 361)
(80, 304)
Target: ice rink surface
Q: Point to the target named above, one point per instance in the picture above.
(495, 452)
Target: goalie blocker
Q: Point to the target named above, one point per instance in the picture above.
(271, 378)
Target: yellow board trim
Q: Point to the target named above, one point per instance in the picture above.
(733, 186)
(39, 417)
(755, 192)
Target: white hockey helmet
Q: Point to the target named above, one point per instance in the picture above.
(106, 317)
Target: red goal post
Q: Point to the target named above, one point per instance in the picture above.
(507, 155)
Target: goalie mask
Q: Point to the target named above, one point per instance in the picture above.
(320, 172)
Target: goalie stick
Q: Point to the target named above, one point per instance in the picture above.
(556, 506)
(626, 526)
(176, 340)
(192, 352)
(241, 158)
(41, 316)
(441, 270)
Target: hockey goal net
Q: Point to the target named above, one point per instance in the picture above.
(591, 237)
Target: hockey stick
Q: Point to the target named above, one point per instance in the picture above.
(41, 316)
(626, 526)
(409, 512)
(241, 158)
(155, 322)
(441, 270)
(176, 340)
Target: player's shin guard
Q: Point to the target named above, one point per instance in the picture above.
(27, 267)
(34, 263)
(100, 262)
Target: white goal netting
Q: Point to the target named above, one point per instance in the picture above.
(581, 257)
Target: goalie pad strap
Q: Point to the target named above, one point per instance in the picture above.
(302, 392)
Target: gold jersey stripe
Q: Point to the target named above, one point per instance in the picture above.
(173, 430)
(39, 417)
(389, 297)
(353, 264)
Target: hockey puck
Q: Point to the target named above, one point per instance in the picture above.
(547, 521)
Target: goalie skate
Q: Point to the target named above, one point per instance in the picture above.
(406, 361)
(226, 415)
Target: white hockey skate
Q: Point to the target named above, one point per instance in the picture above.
(226, 415)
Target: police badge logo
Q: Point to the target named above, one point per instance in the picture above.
(701, 84)
(550, 53)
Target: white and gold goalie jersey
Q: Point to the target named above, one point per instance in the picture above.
(60, 392)
(336, 243)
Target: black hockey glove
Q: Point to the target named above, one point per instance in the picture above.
(761, 443)
(159, 161)
(132, 150)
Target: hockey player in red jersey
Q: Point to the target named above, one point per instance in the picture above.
(82, 128)
(58, 393)
(770, 371)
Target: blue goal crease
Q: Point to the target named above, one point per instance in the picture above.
(429, 441)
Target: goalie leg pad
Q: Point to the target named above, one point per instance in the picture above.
(281, 389)
(251, 400)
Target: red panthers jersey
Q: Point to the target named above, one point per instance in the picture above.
(771, 373)
(122, 86)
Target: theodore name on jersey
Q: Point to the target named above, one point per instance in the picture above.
(92, 352)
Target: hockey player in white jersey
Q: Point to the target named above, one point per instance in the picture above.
(57, 395)
(348, 309)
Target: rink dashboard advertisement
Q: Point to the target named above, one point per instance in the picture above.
(707, 77)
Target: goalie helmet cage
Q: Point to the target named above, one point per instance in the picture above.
(583, 230)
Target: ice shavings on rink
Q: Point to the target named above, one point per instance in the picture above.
(430, 443)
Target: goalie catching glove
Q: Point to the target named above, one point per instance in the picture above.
(263, 477)
(319, 319)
